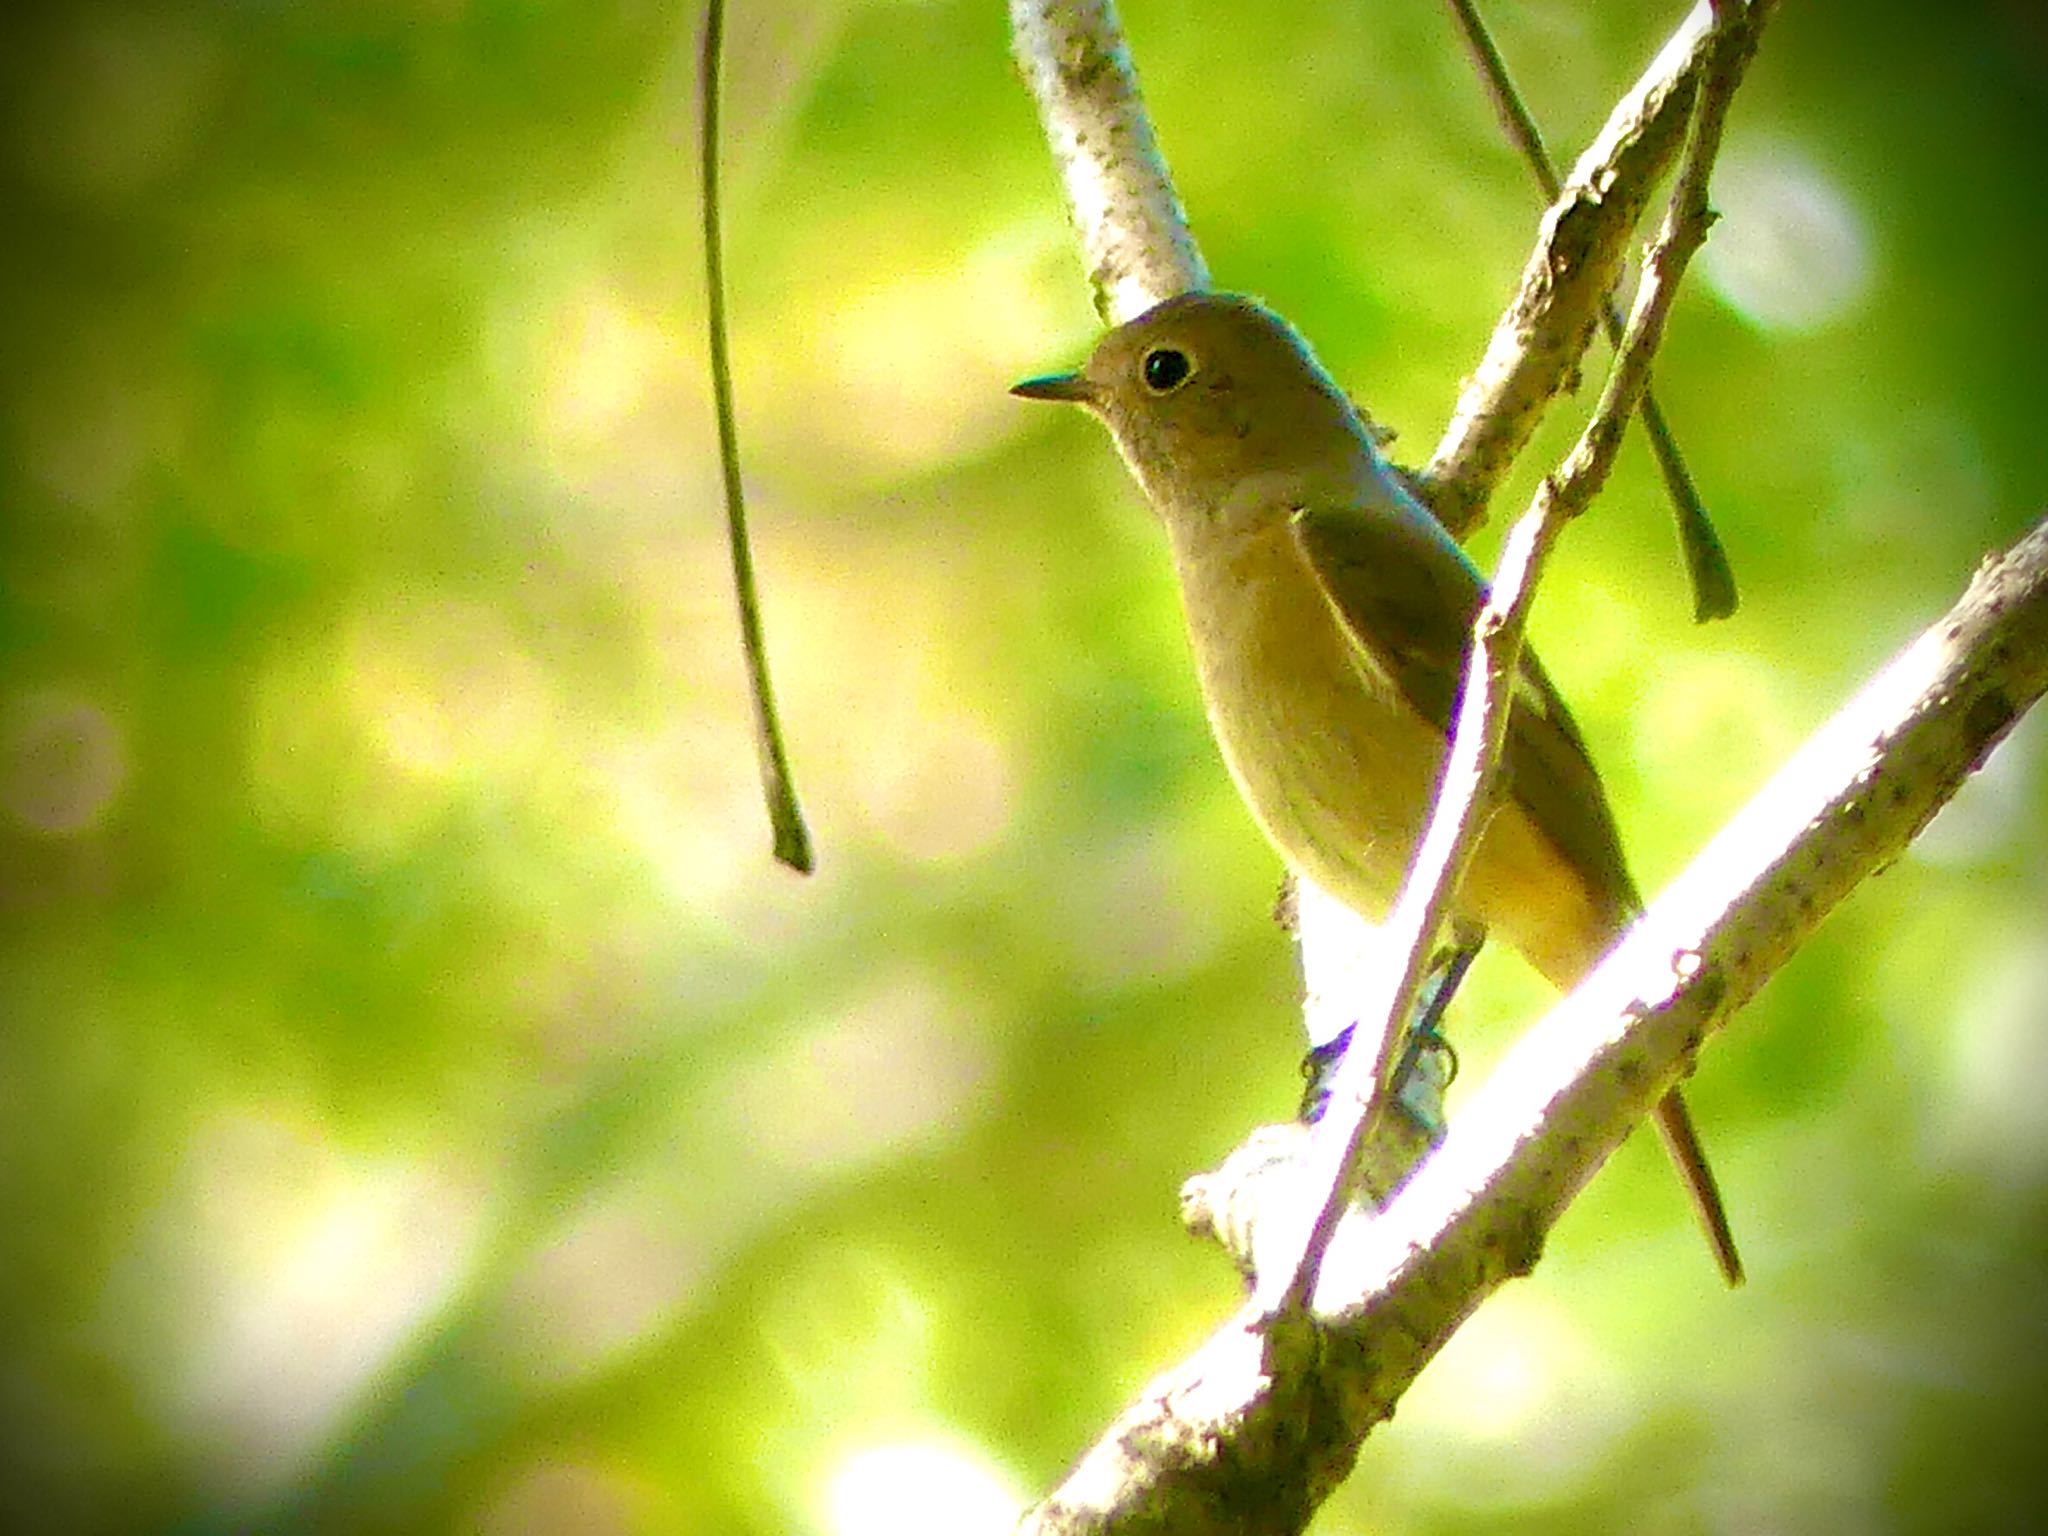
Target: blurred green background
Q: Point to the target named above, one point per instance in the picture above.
(423, 1105)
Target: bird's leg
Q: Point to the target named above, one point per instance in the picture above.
(1427, 1063)
(1317, 1068)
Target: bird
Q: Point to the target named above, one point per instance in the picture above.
(1329, 614)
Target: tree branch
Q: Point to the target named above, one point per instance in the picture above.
(1229, 1440)
(1706, 562)
(1363, 1080)
(1134, 234)
(1535, 350)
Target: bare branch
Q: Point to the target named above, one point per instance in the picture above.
(1535, 350)
(791, 837)
(1706, 562)
(1134, 234)
(1234, 1440)
(1363, 1081)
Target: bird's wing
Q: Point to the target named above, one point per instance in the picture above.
(1408, 597)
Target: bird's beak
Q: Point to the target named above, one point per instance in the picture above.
(1073, 388)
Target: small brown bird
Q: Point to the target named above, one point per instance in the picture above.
(1330, 615)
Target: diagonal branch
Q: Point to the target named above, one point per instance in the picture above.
(1363, 1081)
(1713, 583)
(1235, 1440)
(1535, 350)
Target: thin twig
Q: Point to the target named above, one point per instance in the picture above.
(1540, 339)
(785, 816)
(1361, 1084)
(1713, 582)
(1515, 118)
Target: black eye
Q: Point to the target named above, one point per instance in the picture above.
(1165, 370)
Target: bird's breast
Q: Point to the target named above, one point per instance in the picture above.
(1334, 764)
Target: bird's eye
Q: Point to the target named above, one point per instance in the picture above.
(1165, 370)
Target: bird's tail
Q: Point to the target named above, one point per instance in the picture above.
(1674, 1126)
